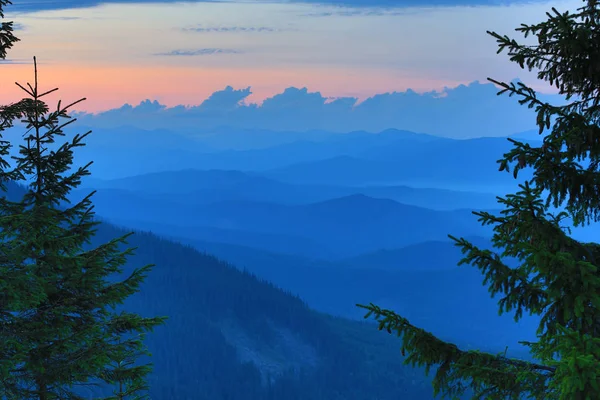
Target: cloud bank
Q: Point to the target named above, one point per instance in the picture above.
(465, 111)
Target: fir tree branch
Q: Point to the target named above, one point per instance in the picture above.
(496, 373)
(518, 290)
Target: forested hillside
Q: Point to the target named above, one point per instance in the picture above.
(219, 316)
(232, 336)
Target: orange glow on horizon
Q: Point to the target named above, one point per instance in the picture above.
(107, 87)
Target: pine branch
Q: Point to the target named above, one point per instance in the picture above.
(518, 290)
(424, 349)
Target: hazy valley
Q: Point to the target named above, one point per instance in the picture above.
(405, 232)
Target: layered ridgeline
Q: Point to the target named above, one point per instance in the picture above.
(391, 157)
(333, 253)
(232, 336)
(332, 229)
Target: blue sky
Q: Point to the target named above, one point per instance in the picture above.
(179, 53)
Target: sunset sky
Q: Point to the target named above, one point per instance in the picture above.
(179, 53)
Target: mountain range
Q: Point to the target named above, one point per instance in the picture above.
(201, 187)
(226, 325)
(342, 227)
(263, 249)
(331, 241)
(360, 158)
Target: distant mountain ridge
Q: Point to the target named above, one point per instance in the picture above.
(344, 226)
(450, 164)
(200, 187)
(423, 256)
(144, 152)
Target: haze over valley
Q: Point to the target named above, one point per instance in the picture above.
(282, 162)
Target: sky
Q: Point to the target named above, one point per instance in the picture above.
(180, 53)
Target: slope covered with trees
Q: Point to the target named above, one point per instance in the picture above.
(230, 335)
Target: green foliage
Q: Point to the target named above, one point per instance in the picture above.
(557, 277)
(10, 112)
(11, 292)
(7, 38)
(130, 378)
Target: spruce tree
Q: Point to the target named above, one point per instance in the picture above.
(557, 276)
(61, 319)
(16, 290)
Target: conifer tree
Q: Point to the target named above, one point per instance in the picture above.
(60, 320)
(16, 290)
(557, 277)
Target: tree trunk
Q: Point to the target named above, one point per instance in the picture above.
(41, 389)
